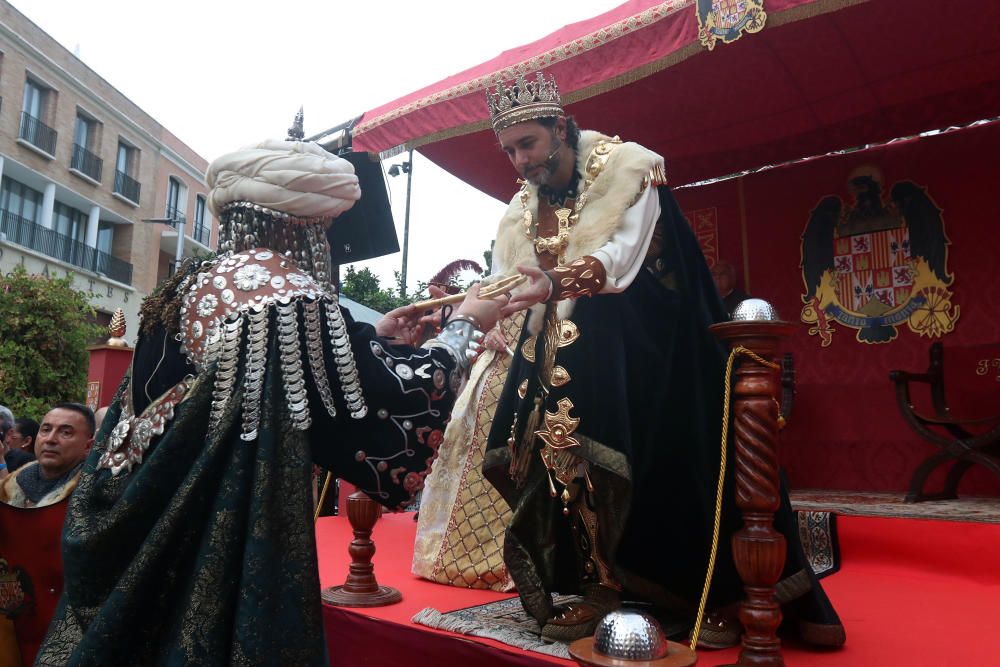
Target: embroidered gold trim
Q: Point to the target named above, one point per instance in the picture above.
(528, 348)
(560, 377)
(559, 426)
(544, 60)
(568, 333)
(791, 15)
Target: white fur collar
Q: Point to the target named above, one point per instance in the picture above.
(609, 196)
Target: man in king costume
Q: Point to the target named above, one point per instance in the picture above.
(190, 537)
(608, 428)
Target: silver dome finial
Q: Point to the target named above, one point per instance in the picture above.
(755, 310)
(630, 635)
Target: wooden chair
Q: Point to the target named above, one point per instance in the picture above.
(951, 435)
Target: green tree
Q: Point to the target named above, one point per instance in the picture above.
(47, 325)
(364, 287)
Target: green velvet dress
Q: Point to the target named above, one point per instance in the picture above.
(204, 553)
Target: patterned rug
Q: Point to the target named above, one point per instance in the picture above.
(506, 621)
(859, 503)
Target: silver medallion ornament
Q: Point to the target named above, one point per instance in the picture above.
(132, 435)
(251, 277)
(208, 304)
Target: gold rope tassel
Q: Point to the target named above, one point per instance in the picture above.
(739, 349)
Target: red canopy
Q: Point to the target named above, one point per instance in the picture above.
(822, 75)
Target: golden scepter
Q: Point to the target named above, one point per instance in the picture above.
(499, 288)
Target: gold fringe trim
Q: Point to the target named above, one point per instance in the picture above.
(792, 15)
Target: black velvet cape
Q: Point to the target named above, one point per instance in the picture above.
(647, 383)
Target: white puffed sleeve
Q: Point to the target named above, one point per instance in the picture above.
(624, 254)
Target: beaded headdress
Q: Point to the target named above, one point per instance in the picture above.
(523, 100)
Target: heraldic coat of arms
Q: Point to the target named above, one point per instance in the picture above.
(727, 20)
(876, 264)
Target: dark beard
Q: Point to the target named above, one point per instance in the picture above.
(549, 166)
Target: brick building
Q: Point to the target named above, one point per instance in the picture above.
(92, 186)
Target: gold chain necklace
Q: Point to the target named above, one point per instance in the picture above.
(557, 244)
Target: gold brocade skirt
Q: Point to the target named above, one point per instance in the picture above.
(462, 521)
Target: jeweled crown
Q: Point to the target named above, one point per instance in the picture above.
(523, 100)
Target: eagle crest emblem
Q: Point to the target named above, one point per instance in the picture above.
(877, 264)
(727, 20)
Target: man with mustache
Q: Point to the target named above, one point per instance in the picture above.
(609, 424)
(63, 442)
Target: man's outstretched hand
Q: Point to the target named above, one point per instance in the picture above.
(538, 290)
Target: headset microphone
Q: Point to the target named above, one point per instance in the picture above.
(555, 151)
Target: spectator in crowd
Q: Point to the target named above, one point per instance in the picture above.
(64, 439)
(6, 421)
(19, 444)
(724, 275)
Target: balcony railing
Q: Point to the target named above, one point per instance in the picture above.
(59, 246)
(37, 133)
(86, 162)
(202, 234)
(127, 186)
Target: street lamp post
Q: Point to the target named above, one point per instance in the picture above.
(394, 170)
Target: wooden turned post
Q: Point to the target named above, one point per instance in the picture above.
(758, 549)
(361, 589)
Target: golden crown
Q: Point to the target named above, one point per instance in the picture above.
(523, 100)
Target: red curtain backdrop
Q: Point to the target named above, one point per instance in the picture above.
(846, 431)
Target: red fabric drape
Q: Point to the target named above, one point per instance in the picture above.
(822, 75)
(846, 431)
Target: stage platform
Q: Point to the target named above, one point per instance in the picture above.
(910, 592)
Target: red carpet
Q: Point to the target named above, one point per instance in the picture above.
(910, 592)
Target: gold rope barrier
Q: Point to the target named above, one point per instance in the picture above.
(716, 526)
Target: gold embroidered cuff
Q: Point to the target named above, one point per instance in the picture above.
(582, 277)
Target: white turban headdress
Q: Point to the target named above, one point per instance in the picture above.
(294, 177)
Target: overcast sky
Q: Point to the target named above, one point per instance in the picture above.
(220, 74)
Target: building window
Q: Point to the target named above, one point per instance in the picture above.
(17, 199)
(33, 109)
(174, 205)
(70, 222)
(202, 232)
(126, 168)
(70, 225)
(34, 99)
(105, 237)
(84, 140)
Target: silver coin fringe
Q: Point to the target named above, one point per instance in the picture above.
(226, 353)
(255, 365)
(244, 226)
(291, 365)
(347, 370)
(314, 348)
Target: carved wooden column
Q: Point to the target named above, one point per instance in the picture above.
(361, 589)
(758, 549)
